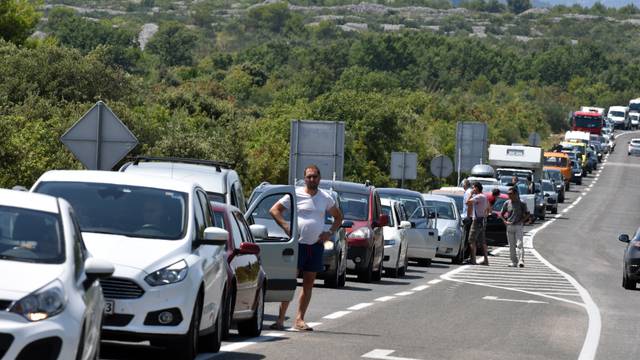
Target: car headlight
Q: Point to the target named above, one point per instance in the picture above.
(170, 275)
(361, 233)
(328, 245)
(41, 304)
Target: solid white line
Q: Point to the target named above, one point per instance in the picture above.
(239, 345)
(337, 315)
(566, 210)
(360, 306)
(385, 298)
(495, 298)
(434, 281)
(584, 194)
(420, 288)
(404, 293)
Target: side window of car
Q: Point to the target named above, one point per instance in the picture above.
(261, 216)
(233, 195)
(246, 233)
(204, 203)
(237, 235)
(240, 196)
(199, 218)
(79, 251)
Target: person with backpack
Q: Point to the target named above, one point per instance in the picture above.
(515, 214)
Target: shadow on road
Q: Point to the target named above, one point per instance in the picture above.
(232, 355)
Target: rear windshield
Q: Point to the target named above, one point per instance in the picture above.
(354, 206)
(555, 161)
(387, 211)
(444, 210)
(412, 204)
(126, 210)
(30, 236)
(547, 186)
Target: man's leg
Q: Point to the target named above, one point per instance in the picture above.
(519, 234)
(483, 237)
(308, 279)
(282, 312)
(511, 238)
(473, 234)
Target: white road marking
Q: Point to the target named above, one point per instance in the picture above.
(239, 345)
(566, 210)
(404, 293)
(337, 315)
(584, 194)
(495, 298)
(360, 306)
(385, 298)
(383, 354)
(420, 288)
(434, 281)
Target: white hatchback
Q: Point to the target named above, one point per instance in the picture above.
(395, 238)
(169, 281)
(50, 302)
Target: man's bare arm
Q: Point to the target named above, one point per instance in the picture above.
(276, 212)
(337, 221)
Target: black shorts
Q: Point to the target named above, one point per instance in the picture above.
(310, 257)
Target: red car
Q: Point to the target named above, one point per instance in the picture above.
(247, 278)
(496, 231)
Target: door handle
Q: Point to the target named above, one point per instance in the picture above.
(287, 252)
(431, 233)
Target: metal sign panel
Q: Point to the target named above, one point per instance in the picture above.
(316, 142)
(441, 166)
(534, 139)
(471, 145)
(99, 139)
(404, 165)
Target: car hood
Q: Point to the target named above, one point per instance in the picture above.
(29, 277)
(139, 253)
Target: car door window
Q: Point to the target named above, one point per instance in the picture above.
(244, 229)
(204, 203)
(261, 216)
(240, 196)
(199, 218)
(237, 234)
(79, 251)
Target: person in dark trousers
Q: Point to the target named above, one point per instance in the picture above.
(312, 204)
(466, 220)
(477, 206)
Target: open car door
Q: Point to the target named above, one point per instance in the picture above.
(278, 252)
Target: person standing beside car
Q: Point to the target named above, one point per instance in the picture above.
(312, 204)
(477, 205)
(515, 214)
(466, 218)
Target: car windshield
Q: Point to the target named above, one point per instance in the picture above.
(555, 161)
(410, 204)
(616, 114)
(555, 175)
(458, 199)
(387, 211)
(354, 206)
(30, 236)
(588, 121)
(547, 186)
(126, 210)
(443, 209)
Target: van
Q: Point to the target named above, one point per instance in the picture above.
(559, 161)
(619, 115)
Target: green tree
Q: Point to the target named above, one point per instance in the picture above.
(18, 18)
(174, 44)
(518, 6)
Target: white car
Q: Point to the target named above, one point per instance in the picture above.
(635, 119)
(395, 238)
(634, 147)
(449, 224)
(50, 302)
(169, 281)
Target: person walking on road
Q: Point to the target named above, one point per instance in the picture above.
(312, 204)
(466, 220)
(515, 214)
(477, 206)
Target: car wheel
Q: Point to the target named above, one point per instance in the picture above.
(333, 280)
(212, 341)
(228, 312)
(343, 279)
(366, 275)
(579, 182)
(626, 283)
(253, 326)
(561, 199)
(554, 210)
(186, 348)
(377, 275)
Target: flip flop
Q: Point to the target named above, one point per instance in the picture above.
(276, 326)
(304, 327)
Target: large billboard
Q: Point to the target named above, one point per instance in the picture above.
(316, 142)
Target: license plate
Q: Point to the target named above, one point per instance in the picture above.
(108, 307)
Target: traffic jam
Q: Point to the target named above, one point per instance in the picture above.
(172, 253)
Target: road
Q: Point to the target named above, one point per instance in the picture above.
(447, 311)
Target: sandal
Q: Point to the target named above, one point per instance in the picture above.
(304, 327)
(276, 326)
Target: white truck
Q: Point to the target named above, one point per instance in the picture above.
(582, 136)
(619, 115)
(634, 112)
(598, 110)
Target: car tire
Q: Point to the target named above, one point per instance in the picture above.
(253, 327)
(366, 275)
(458, 259)
(554, 210)
(333, 280)
(343, 279)
(579, 182)
(561, 199)
(186, 347)
(229, 306)
(628, 284)
(211, 342)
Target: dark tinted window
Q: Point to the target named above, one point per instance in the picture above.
(124, 210)
(387, 211)
(354, 206)
(31, 236)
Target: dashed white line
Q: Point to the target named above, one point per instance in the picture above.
(360, 306)
(404, 293)
(434, 281)
(420, 288)
(239, 345)
(385, 298)
(337, 315)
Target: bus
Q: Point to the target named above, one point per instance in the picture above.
(591, 122)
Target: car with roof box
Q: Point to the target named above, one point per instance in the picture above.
(169, 283)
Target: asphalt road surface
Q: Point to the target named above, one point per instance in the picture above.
(566, 303)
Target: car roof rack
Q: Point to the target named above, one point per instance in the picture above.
(219, 165)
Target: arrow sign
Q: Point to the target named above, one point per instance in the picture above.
(495, 298)
(99, 139)
(384, 355)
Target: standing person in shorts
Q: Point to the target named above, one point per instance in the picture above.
(466, 218)
(515, 214)
(477, 205)
(312, 204)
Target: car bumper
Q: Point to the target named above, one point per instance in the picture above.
(358, 257)
(59, 334)
(391, 253)
(130, 315)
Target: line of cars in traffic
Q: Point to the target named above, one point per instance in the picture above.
(183, 256)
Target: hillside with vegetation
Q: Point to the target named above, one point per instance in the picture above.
(221, 80)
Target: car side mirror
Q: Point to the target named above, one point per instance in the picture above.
(547, 195)
(405, 225)
(624, 238)
(259, 231)
(383, 220)
(346, 224)
(247, 248)
(96, 269)
(213, 236)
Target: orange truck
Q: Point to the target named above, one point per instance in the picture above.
(559, 161)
